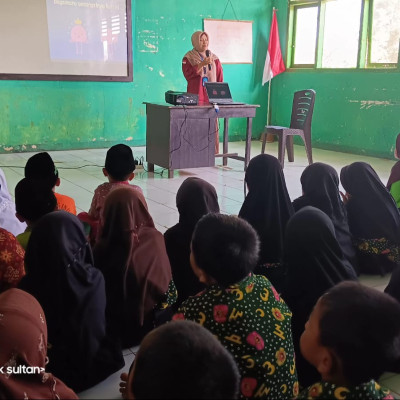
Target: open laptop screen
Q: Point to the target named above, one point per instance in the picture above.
(218, 91)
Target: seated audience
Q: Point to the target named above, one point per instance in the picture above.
(393, 184)
(8, 220)
(374, 219)
(315, 263)
(33, 199)
(11, 261)
(60, 274)
(267, 207)
(23, 346)
(132, 256)
(119, 170)
(349, 350)
(40, 167)
(320, 184)
(393, 287)
(181, 360)
(195, 198)
(242, 310)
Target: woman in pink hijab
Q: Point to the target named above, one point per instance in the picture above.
(195, 68)
(23, 351)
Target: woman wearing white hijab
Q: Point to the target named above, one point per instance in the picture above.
(8, 220)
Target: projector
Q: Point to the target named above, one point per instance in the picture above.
(181, 98)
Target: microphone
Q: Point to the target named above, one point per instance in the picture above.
(208, 55)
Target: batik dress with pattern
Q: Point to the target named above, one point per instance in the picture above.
(253, 323)
(324, 390)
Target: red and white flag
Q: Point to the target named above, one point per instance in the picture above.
(274, 62)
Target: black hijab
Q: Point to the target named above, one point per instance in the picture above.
(60, 274)
(267, 206)
(371, 210)
(314, 263)
(395, 172)
(320, 184)
(195, 198)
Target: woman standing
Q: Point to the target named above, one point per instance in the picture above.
(199, 66)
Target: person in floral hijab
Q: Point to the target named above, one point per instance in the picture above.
(23, 351)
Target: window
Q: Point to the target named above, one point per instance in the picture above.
(344, 33)
(305, 35)
(385, 32)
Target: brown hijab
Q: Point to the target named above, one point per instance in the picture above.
(196, 57)
(132, 255)
(23, 342)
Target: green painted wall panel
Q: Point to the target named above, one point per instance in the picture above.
(72, 115)
(356, 111)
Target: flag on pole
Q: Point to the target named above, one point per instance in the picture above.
(274, 64)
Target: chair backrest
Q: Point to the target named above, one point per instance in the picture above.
(302, 110)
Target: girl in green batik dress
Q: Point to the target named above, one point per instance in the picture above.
(352, 337)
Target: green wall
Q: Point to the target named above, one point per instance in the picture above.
(41, 115)
(356, 111)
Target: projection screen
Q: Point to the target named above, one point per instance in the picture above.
(66, 40)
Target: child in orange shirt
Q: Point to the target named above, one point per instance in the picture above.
(41, 167)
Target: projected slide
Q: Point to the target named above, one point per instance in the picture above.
(87, 30)
(72, 40)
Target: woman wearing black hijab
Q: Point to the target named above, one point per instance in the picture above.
(61, 276)
(195, 198)
(314, 263)
(374, 218)
(320, 184)
(267, 207)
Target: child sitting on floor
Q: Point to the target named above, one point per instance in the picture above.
(40, 167)
(352, 337)
(33, 199)
(243, 310)
(119, 169)
(181, 360)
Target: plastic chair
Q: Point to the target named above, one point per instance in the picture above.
(300, 124)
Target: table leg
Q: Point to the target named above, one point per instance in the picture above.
(225, 146)
(248, 142)
(170, 173)
(150, 167)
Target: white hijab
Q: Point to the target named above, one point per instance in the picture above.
(8, 220)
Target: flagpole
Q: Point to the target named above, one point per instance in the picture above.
(269, 98)
(270, 137)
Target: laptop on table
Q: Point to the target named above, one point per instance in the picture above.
(219, 93)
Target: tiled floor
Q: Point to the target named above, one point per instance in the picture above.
(81, 172)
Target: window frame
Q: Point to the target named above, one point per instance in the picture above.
(364, 41)
(368, 62)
